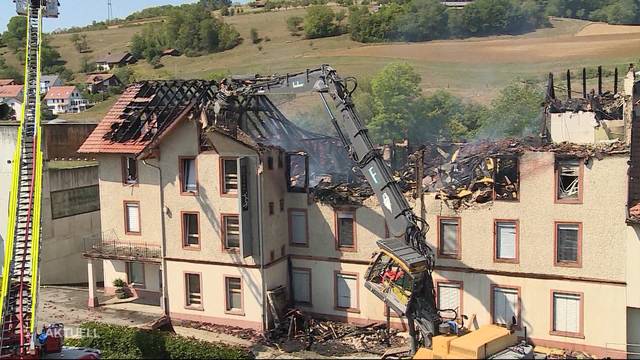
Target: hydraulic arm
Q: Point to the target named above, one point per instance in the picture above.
(401, 274)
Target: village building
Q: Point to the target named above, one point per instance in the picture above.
(101, 83)
(65, 99)
(227, 218)
(112, 61)
(12, 96)
(49, 81)
(4, 82)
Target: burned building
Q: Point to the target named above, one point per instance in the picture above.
(220, 209)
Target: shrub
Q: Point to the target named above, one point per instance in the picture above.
(119, 283)
(319, 22)
(255, 38)
(293, 24)
(121, 342)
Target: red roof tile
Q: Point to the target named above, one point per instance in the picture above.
(10, 91)
(60, 92)
(4, 82)
(96, 142)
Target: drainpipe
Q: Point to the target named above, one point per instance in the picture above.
(164, 300)
(265, 317)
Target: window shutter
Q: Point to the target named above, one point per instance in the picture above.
(347, 291)
(449, 236)
(301, 287)
(449, 296)
(504, 305)
(566, 315)
(506, 241)
(133, 218)
(298, 227)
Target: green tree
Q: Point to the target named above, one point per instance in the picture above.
(80, 42)
(423, 20)
(374, 27)
(515, 112)
(16, 33)
(319, 22)
(294, 24)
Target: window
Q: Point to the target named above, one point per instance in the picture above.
(129, 171)
(188, 176)
(347, 291)
(568, 244)
(298, 227)
(345, 229)
(229, 176)
(190, 230)
(506, 240)
(449, 297)
(132, 218)
(301, 279)
(233, 289)
(506, 178)
(270, 162)
(271, 208)
(281, 205)
(194, 294)
(505, 306)
(231, 231)
(135, 273)
(567, 314)
(449, 237)
(569, 180)
(297, 172)
(280, 160)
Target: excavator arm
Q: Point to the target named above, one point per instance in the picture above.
(401, 272)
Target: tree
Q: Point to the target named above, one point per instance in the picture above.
(319, 22)
(80, 42)
(16, 33)
(395, 92)
(293, 24)
(255, 38)
(86, 65)
(424, 20)
(8, 72)
(515, 112)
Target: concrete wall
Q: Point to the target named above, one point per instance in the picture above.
(573, 127)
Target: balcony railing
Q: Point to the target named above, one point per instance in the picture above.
(108, 245)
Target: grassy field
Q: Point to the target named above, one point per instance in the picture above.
(473, 68)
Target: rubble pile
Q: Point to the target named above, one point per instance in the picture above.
(606, 106)
(242, 333)
(333, 338)
(340, 193)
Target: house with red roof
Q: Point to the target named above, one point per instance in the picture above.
(65, 99)
(12, 96)
(100, 83)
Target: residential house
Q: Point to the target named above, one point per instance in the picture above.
(100, 83)
(223, 218)
(4, 82)
(49, 81)
(65, 99)
(13, 96)
(111, 61)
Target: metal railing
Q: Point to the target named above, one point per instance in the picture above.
(107, 244)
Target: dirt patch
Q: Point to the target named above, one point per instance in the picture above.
(606, 29)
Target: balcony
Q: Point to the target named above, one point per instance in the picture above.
(107, 245)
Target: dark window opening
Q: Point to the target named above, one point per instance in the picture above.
(271, 208)
(280, 160)
(568, 181)
(281, 205)
(506, 178)
(346, 229)
(191, 230)
(270, 162)
(297, 172)
(230, 174)
(130, 170)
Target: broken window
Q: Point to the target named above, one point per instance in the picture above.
(190, 230)
(193, 295)
(568, 244)
(188, 177)
(231, 231)
(506, 178)
(569, 181)
(297, 172)
(229, 176)
(345, 222)
(233, 287)
(449, 237)
(129, 170)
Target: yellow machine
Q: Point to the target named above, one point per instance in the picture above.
(479, 344)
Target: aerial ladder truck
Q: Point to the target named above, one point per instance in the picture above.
(20, 277)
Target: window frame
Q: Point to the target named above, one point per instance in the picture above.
(185, 243)
(578, 262)
(143, 285)
(516, 158)
(308, 271)
(126, 218)
(223, 232)
(336, 229)
(460, 284)
(199, 307)
(578, 335)
(227, 310)
(222, 182)
(335, 291)
(458, 254)
(556, 172)
(290, 212)
(124, 164)
(183, 189)
(518, 305)
(496, 259)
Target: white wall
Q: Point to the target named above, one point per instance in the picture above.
(7, 144)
